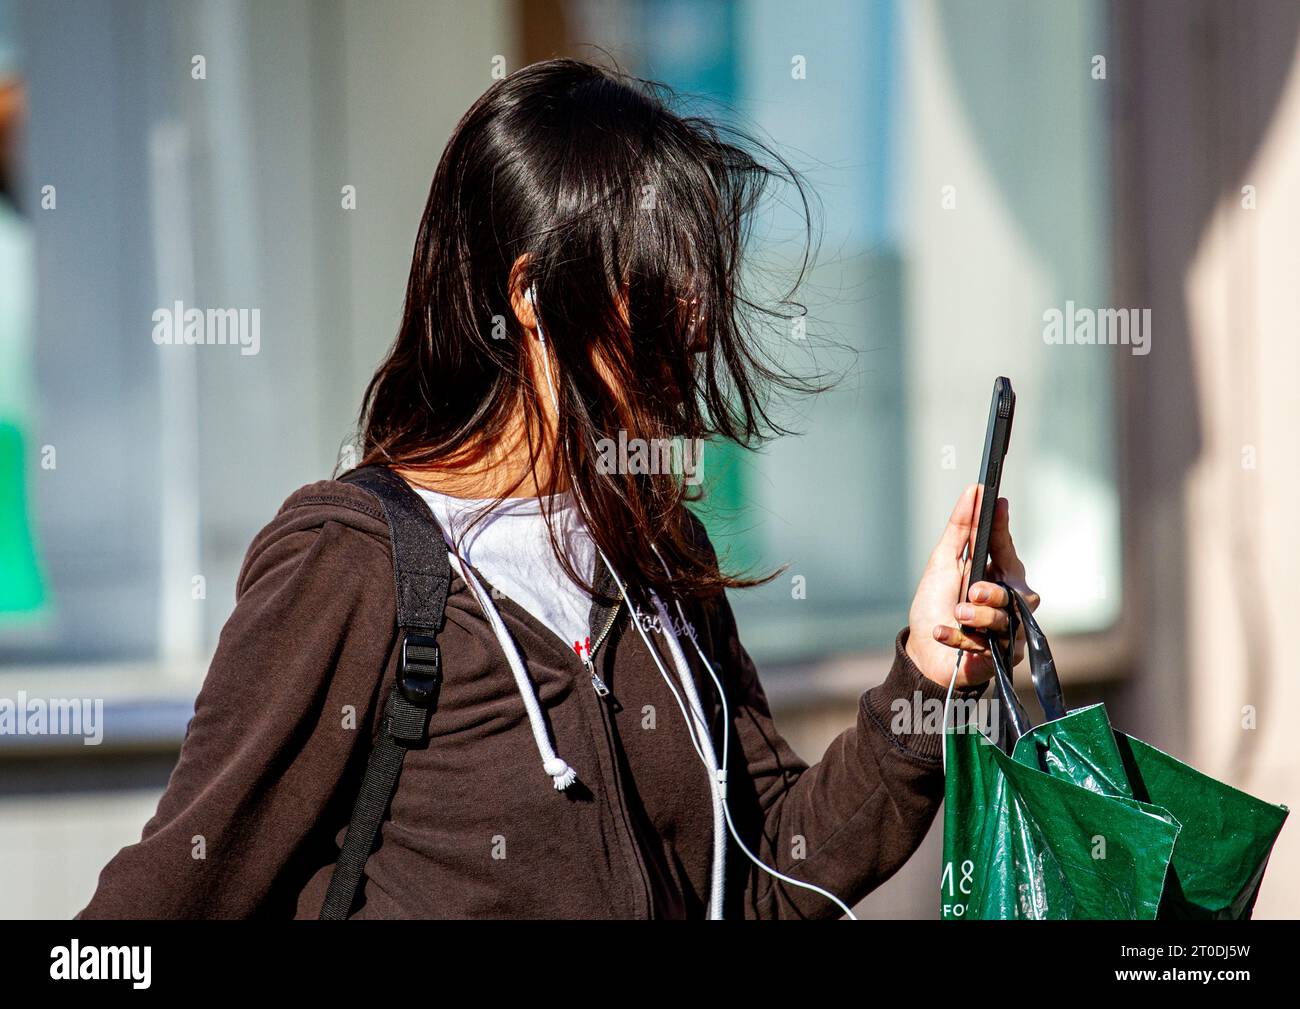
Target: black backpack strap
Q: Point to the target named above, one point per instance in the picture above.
(423, 579)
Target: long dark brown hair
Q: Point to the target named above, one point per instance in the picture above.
(633, 220)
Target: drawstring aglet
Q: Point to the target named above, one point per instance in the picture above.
(561, 774)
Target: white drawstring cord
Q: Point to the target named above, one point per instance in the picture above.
(562, 775)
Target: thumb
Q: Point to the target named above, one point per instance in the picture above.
(957, 533)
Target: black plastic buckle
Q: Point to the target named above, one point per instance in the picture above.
(420, 672)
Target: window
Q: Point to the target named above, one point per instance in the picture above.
(961, 202)
(203, 154)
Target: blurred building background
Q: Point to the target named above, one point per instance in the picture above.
(977, 165)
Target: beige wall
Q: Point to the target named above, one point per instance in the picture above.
(1243, 492)
(1208, 101)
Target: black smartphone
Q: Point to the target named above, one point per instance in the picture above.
(997, 436)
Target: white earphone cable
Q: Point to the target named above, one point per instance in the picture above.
(726, 721)
(692, 710)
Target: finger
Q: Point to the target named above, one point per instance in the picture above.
(957, 533)
(955, 637)
(1001, 548)
(982, 618)
(989, 594)
(1000, 597)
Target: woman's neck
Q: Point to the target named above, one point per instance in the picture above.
(506, 468)
(510, 466)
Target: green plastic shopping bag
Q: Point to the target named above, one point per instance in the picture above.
(1073, 819)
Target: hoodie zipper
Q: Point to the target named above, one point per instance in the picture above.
(588, 660)
(640, 892)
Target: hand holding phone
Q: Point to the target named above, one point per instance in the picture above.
(976, 544)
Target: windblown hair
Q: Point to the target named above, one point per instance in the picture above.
(633, 219)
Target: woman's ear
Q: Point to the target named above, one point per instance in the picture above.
(520, 303)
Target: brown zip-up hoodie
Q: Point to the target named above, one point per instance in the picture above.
(255, 811)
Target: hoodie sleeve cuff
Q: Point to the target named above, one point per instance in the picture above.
(908, 707)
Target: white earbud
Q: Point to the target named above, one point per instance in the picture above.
(530, 296)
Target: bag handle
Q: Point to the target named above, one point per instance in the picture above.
(1014, 723)
(1042, 672)
(1042, 667)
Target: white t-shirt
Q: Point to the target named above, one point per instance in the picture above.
(511, 547)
